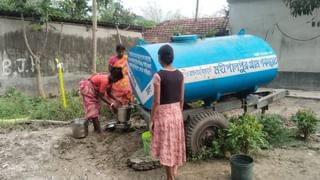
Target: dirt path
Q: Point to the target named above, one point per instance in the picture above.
(51, 153)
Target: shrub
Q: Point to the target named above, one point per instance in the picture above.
(306, 122)
(245, 135)
(274, 128)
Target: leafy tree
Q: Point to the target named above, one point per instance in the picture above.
(141, 21)
(116, 13)
(42, 9)
(302, 7)
(153, 12)
(174, 15)
(4, 5)
(78, 9)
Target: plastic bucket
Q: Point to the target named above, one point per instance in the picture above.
(146, 139)
(241, 167)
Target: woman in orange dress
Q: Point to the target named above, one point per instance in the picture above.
(121, 89)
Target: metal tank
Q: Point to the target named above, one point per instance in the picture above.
(212, 67)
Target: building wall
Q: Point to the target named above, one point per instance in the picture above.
(295, 40)
(17, 68)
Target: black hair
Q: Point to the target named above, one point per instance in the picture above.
(120, 47)
(116, 74)
(166, 54)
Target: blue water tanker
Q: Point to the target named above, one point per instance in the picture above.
(212, 67)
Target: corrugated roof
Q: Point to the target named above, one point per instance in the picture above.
(164, 31)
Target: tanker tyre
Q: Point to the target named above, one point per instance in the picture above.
(201, 129)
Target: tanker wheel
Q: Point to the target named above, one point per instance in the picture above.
(202, 128)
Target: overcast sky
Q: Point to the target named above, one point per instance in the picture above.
(185, 7)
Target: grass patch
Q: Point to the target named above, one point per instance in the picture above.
(15, 105)
(53, 109)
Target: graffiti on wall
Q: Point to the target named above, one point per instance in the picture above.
(22, 66)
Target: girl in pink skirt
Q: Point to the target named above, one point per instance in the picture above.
(168, 141)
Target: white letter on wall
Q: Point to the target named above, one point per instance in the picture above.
(22, 60)
(6, 67)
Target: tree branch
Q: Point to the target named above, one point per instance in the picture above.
(127, 28)
(45, 40)
(26, 38)
(60, 39)
(118, 33)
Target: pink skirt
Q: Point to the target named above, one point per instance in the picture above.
(168, 141)
(91, 101)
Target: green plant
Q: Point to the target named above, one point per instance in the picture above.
(204, 154)
(306, 122)
(211, 32)
(245, 135)
(274, 128)
(217, 150)
(219, 146)
(177, 31)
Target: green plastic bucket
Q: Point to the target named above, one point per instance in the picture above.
(146, 139)
(241, 167)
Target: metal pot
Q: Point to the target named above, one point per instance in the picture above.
(80, 128)
(124, 113)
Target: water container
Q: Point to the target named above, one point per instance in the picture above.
(124, 113)
(212, 67)
(241, 167)
(80, 128)
(146, 140)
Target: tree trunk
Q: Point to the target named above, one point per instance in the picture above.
(39, 77)
(118, 33)
(36, 57)
(197, 7)
(94, 38)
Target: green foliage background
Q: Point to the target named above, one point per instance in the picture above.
(108, 11)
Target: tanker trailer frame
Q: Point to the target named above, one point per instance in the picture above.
(202, 123)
